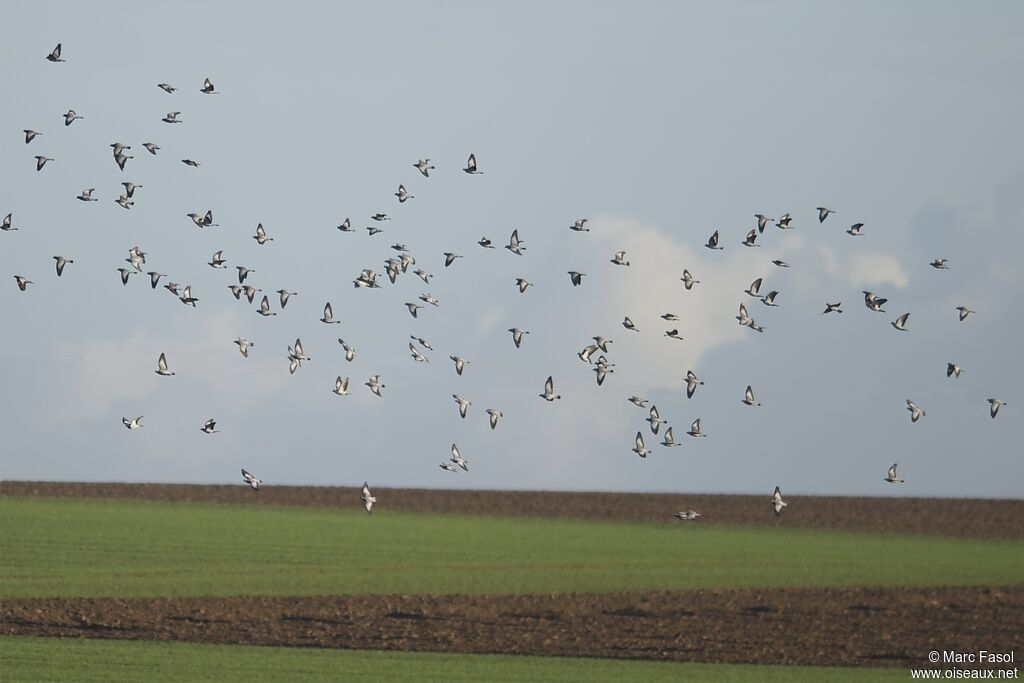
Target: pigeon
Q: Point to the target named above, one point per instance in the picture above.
(744, 318)
(832, 308)
(769, 298)
(61, 262)
(346, 226)
(208, 427)
(124, 202)
(427, 297)
(375, 385)
(329, 315)
(6, 225)
(576, 278)
(340, 386)
(41, 161)
(823, 213)
(515, 244)
(628, 324)
(748, 397)
(939, 264)
(264, 308)
(380, 217)
(901, 322)
(637, 401)
(423, 342)
(577, 226)
(216, 261)
(962, 310)
(416, 355)
(669, 440)
(167, 88)
(71, 117)
(251, 480)
(549, 391)
(447, 467)
(121, 160)
(119, 148)
(457, 458)
(129, 188)
(695, 428)
(784, 222)
(854, 230)
(403, 195)
(692, 382)
(207, 88)
(873, 302)
(673, 334)
(54, 55)
(190, 162)
(236, 290)
(522, 283)
(460, 364)
(688, 280)
(449, 258)
(463, 405)
(750, 238)
(30, 135)
(754, 288)
(689, 515)
(713, 242)
(780, 264)
(485, 243)
(132, 424)
(952, 369)
(161, 366)
(172, 117)
(639, 448)
(517, 335)
(22, 282)
(284, 294)
(762, 221)
(187, 298)
(250, 292)
(368, 500)
(243, 346)
(619, 259)
(172, 287)
(151, 148)
(655, 419)
(423, 275)
(915, 412)
(993, 408)
(471, 166)
(350, 352)
(891, 475)
(587, 352)
(777, 502)
(602, 370)
(493, 416)
(424, 167)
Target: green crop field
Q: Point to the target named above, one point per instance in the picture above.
(41, 660)
(122, 548)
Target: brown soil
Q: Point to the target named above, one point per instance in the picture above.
(835, 627)
(951, 517)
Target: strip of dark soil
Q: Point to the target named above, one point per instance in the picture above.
(940, 516)
(833, 627)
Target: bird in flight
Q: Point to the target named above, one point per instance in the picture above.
(252, 481)
(891, 475)
(471, 166)
(639, 448)
(209, 427)
(748, 397)
(689, 515)
(54, 55)
(367, 498)
(549, 391)
(61, 262)
(952, 369)
(713, 242)
(161, 366)
(134, 423)
(424, 167)
(993, 406)
(900, 322)
(832, 308)
(915, 412)
(777, 502)
(207, 88)
(692, 382)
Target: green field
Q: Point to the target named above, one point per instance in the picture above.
(123, 548)
(40, 660)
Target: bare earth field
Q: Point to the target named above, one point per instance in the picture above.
(832, 627)
(941, 516)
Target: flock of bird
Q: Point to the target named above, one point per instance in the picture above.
(594, 355)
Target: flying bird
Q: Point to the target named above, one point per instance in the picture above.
(769, 298)
(515, 244)
(71, 117)
(264, 308)
(915, 412)
(449, 258)
(750, 239)
(6, 224)
(873, 302)
(891, 475)
(167, 88)
(54, 55)
(457, 458)
(655, 419)
(549, 391)
(993, 406)
(855, 230)
(463, 405)
(132, 424)
(628, 324)
(673, 334)
(251, 480)
(416, 355)
(243, 346)
(777, 502)
(187, 298)
(460, 364)
(190, 162)
(832, 308)
(522, 283)
(576, 278)
(637, 401)
(471, 166)
(754, 288)
(161, 366)
(368, 500)
(41, 161)
(900, 322)
(151, 148)
(22, 282)
(261, 235)
(619, 259)
(207, 88)
(689, 515)
(340, 386)
(403, 195)
(172, 117)
(493, 416)
(962, 310)
(688, 280)
(578, 226)
(61, 262)
(762, 221)
(952, 369)
(517, 335)
(424, 167)
(939, 264)
(780, 264)
(284, 294)
(329, 315)
(30, 135)
(375, 385)
(669, 440)
(713, 242)
(823, 213)
(209, 427)
(748, 397)
(695, 428)
(784, 222)
(692, 382)
(216, 261)
(639, 448)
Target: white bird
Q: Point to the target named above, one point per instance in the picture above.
(769, 298)
(368, 500)
(251, 480)
(873, 302)
(784, 222)
(517, 335)
(447, 467)
(493, 416)
(284, 294)
(939, 264)
(471, 166)
(602, 370)
(655, 419)
(993, 406)
(124, 202)
(261, 235)
(264, 308)
(901, 322)
(754, 288)
(161, 366)
(71, 117)
(688, 280)
(669, 440)
(823, 213)
(964, 312)
(637, 401)
(329, 315)
(86, 195)
(416, 355)
(375, 385)
(207, 88)
(460, 364)
(457, 458)
(403, 195)
(639, 448)
(216, 261)
(424, 167)
(695, 428)
(713, 241)
(522, 283)
(855, 230)
(150, 147)
(692, 382)
(187, 298)
(620, 259)
(577, 226)
(549, 391)
(587, 352)
(915, 412)
(350, 352)
(423, 275)
(243, 346)
(132, 424)
(61, 262)
(953, 369)
(744, 318)
(515, 244)
(463, 405)
(340, 386)
(748, 397)
(628, 324)
(891, 475)
(427, 297)
(832, 308)
(688, 515)
(576, 278)
(208, 428)
(777, 502)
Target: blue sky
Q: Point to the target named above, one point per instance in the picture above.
(660, 123)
